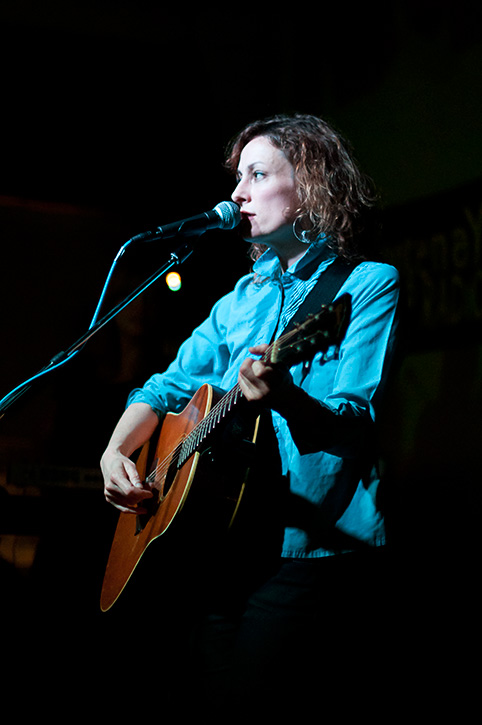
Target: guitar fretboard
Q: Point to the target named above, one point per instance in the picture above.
(308, 334)
(208, 424)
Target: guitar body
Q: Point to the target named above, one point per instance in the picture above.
(216, 490)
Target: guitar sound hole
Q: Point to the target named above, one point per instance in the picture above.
(151, 505)
(168, 481)
(160, 488)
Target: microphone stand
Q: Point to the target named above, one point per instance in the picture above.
(178, 256)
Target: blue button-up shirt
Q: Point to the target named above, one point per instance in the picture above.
(335, 483)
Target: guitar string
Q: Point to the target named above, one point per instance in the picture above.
(196, 435)
(212, 419)
(204, 427)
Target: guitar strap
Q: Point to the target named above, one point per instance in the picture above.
(324, 291)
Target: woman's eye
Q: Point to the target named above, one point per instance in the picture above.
(258, 175)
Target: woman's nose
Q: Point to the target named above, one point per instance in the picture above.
(239, 194)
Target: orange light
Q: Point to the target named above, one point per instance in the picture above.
(173, 281)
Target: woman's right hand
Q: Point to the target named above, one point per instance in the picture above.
(123, 487)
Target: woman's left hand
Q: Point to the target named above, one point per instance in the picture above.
(262, 382)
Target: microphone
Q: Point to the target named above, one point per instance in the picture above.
(225, 215)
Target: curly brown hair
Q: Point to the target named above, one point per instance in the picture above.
(335, 196)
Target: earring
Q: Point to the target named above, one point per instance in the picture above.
(303, 235)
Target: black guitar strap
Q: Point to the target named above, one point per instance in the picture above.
(324, 291)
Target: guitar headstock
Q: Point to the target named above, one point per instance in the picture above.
(316, 334)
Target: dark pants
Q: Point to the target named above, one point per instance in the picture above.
(310, 633)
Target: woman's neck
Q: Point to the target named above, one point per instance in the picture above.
(291, 254)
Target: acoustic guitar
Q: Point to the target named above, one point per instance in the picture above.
(191, 456)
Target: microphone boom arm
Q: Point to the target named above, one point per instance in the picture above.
(178, 256)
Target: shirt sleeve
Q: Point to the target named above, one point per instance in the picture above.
(367, 349)
(202, 358)
(348, 388)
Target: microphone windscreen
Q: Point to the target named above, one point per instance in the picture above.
(229, 213)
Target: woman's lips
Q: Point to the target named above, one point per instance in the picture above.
(245, 223)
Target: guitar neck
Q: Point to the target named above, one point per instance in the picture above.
(228, 402)
(315, 334)
(207, 426)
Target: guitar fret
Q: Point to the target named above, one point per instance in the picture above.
(224, 406)
(207, 425)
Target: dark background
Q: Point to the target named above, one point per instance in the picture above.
(114, 119)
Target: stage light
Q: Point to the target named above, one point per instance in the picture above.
(173, 281)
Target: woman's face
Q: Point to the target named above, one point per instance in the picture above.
(266, 193)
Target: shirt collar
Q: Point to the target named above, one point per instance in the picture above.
(268, 265)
